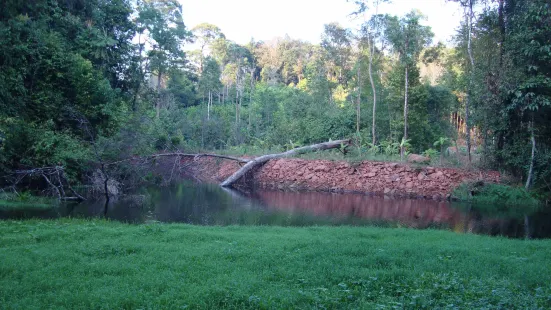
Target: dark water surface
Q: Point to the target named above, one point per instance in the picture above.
(209, 204)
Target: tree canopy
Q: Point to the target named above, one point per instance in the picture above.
(82, 80)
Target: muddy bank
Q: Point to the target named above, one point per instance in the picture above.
(378, 178)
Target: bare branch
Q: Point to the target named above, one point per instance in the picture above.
(195, 156)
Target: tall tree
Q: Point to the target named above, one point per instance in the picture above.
(205, 35)
(407, 38)
(469, 15)
(336, 42)
(530, 98)
(162, 19)
(372, 30)
(209, 82)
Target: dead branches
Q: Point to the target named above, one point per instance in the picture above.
(178, 154)
(55, 179)
(249, 163)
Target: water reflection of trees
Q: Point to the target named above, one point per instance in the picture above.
(408, 212)
(208, 204)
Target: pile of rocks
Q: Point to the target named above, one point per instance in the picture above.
(391, 179)
(381, 178)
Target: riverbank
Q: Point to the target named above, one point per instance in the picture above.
(98, 264)
(368, 177)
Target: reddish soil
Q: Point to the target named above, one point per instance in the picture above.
(380, 178)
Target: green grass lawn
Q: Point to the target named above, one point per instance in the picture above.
(80, 264)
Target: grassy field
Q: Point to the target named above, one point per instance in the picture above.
(81, 264)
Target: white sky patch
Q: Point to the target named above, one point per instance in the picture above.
(241, 20)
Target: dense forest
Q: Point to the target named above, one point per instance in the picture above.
(88, 82)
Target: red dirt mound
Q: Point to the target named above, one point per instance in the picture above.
(392, 179)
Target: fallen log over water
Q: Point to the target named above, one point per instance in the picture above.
(263, 159)
(249, 163)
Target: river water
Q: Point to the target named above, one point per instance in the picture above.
(209, 204)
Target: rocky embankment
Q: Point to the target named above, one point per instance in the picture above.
(379, 178)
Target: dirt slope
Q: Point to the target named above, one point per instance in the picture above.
(380, 178)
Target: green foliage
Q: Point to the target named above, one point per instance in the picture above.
(163, 21)
(210, 77)
(390, 147)
(431, 153)
(73, 79)
(510, 88)
(442, 142)
(58, 71)
(183, 87)
(489, 196)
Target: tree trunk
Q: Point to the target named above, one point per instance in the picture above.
(201, 59)
(358, 101)
(105, 188)
(263, 159)
(529, 180)
(139, 83)
(371, 51)
(527, 234)
(240, 105)
(402, 149)
(236, 106)
(467, 97)
(251, 96)
(158, 103)
(252, 86)
(208, 106)
(531, 169)
(501, 22)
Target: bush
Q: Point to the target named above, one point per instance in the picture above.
(161, 143)
(493, 197)
(431, 153)
(175, 141)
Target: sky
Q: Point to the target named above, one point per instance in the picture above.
(241, 20)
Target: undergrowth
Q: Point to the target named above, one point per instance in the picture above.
(25, 200)
(496, 198)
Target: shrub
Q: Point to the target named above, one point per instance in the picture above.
(493, 197)
(431, 153)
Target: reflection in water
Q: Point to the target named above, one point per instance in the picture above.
(408, 212)
(208, 204)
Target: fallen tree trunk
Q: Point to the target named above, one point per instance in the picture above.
(58, 183)
(249, 163)
(263, 159)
